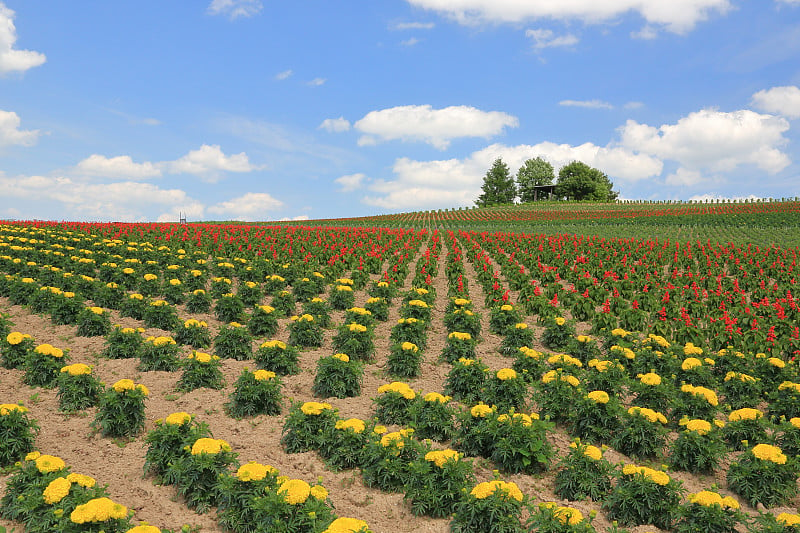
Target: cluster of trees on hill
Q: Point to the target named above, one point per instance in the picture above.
(576, 181)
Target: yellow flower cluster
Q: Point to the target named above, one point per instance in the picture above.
(795, 421)
(690, 349)
(659, 340)
(436, 397)
(78, 369)
(480, 410)
(7, 408)
(440, 457)
(530, 352)
(627, 352)
(344, 281)
(314, 408)
(409, 346)
(461, 302)
(395, 438)
(708, 394)
(649, 414)
(418, 303)
(98, 510)
(566, 515)
(144, 528)
(47, 349)
(481, 491)
(15, 337)
(619, 332)
(374, 300)
(399, 387)
(253, 471)
(691, 363)
(263, 375)
(504, 374)
(56, 490)
(593, 452)
(564, 359)
(178, 419)
(410, 320)
(583, 338)
(346, 525)
(600, 366)
(202, 357)
(598, 396)
(82, 480)
(525, 420)
(96, 310)
(520, 325)
(355, 424)
(788, 385)
(656, 476)
(344, 288)
(355, 327)
(708, 498)
(459, 335)
(767, 452)
(360, 311)
(160, 341)
(343, 357)
(651, 378)
(210, 446)
(274, 344)
(128, 384)
(553, 375)
(740, 376)
(295, 491)
(194, 323)
(560, 320)
(788, 519)
(267, 308)
(747, 413)
(776, 362)
(701, 427)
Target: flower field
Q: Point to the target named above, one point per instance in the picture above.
(443, 376)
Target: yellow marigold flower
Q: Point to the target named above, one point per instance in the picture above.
(593, 452)
(795, 421)
(530, 352)
(263, 375)
(124, 385)
(776, 362)
(418, 303)
(440, 457)
(658, 339)
(178, 419)
(7, 408)
(483, 490)
(398, 386)
(360, 311)
(767, 452)
(202, 357)
(395, 438)
(568, 515)
(564, 359)
(14, 338)
(344, 281)
(128, 270)
(690, 363)
(708, 498)
(462, 336)
(690, 349)
(210, 446)
(583, 338)
(374, 300)
(143, 389)
(318, 492)
(150, 277)
(788, 519)
(655, 476)
(379, 430)
(649, 414)
(619, 332)
(343, 357)
(436, 397)
(267, 308)
(356, 424)
(32, 456)
(253, 471)
(746, 413)
(600, 366)
(598, 396)
(98, 510)
(409, 346)
(49, 463)
(163, 341)
(572, 380)
(344, 288)
(506, 307)
(77, 369)
(708, 394)
(346, 525)
(480, 410)
(82, 480)
(521, 325)
(560, 320)
(465, 361)
(274, 344)
(357, 328)
(314, 408)
(651, 378)
(788, 385)
(461, 302)
(295, 491)
(505, 374)
(701, 427)
(56, 490)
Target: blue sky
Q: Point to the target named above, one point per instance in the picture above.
(266, 110)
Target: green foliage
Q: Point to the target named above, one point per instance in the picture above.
(278, 357)
(17, 433)
(644, 496)
(159, 314)
(169, 440)
(460, 345)
(159, 353)
(305, 331)
(708, 511)
(200, 370)
(307, 426)
(198, 302)
(505, 389)
(436, 481)
(697, 452)
(196, 474)
(14, 349)
(355, 340)
(404, 360)
(255, 393)
(120, 410)
(641, 433)
(583, 473)
(193, 333)
(578, 181)
(393, 403)
(263, 321)
(497, 512)
(233, 342)
(432, 417)
(43, 365)
(338, 376)
(123, 343)
(93, 322)
(386, 460)
(549, 517)
(764, 475)
(533, 172)
(229, 308)
(498, 186)
(466, 380)
(77, 390)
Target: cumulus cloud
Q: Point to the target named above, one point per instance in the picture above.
(335, 125)
(295, 219)
(437, 127)
(10, 132)
(351, 182)
(684, 178)
(234, 9)
(208, 161)
(713, 140)
(414, 26)
(116, 167)
(410, 42)
(316, 82)
(250, 206)
(779, 100)
(284, 75)
(679, 16)
(126, 200)
(11, 59)
(591, 104)
(543, 38)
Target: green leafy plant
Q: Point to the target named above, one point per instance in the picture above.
(198, 301)
(200, 370)
(123, 343)
(379, 307)
(320, 310)
(229, 308)
(698, 448)
(255, 393)
(460, 345)
(404, 360)
(557, 332)
(120, 410)
(159, 353)
(763, 474)
(305, 331)
(233, 341)
(355, 340)
(490, 506)
(169, 440)
(432, 417)
(465, 380)
(43, 365)
(196, 474)
(505, 389)
(595, 416)
(278, 357)
(516, 337)
(503, 318)
(341, 296)
(551, 517)
(159, 314)
(133, 306)
(583, 473)
(436, 482)
(263, 321)
(641, 433)
(393, 403)
(708, 511)
(409, 330)
(307, 426)
(193, 333)
(643, 495)
(338, 376)
(17, 433)
(77, 388)
(15, 348)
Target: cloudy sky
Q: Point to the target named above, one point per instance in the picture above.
(268, 110)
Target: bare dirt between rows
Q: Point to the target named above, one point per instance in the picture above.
(118, 464)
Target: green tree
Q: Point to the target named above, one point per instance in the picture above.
(533, 173)
(498, 186)
(579, 181)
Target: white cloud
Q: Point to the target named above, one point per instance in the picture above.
(116, 167)
(234, 9)
(436, 127)
(679, 16)
(591, 104)
(543, 38)
(10, 132)
(713, 140)
(316, 82)
(12, 60)
(351, 182)
(297, 218)
(780, 100)
(790, 1)
(208, 161)
(684, 178)
(125, 200)
(647, 33)
(335, 125)
(284, 75)
(250, 206)
(634, 105)
(414, 26)
(410, 42)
